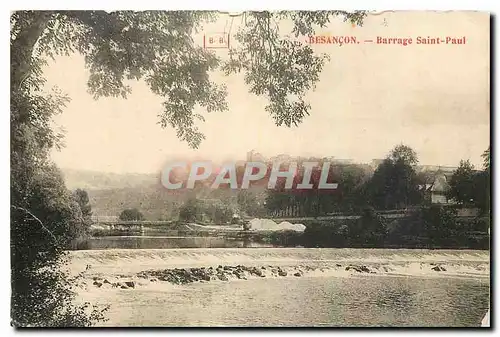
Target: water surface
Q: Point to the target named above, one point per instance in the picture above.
(403, 291)
(163, 242)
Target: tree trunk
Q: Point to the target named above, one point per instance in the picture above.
(21, 50)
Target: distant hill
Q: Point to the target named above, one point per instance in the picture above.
(111, 193)
(93, 180)
(154, 201)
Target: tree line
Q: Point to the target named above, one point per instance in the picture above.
(394, 184)
(433, 227)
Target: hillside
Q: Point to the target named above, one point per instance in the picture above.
(111, 193)
(93, 180)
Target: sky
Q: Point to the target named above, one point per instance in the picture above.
(371, 97)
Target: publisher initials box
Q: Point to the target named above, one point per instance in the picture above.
(216, 41)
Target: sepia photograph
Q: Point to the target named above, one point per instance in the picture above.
(198, 168)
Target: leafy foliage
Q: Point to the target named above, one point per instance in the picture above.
(246, 201)
(278, 67)
(119, 47)
(394, 183)
(44, 216)
(190, 211)
(158, 46)
(219, 212)
(371, 228)
(439, 223)
(472, 187)
(403, 154)
(213, 210)
(44, 221)
(82, 198)
(131, 214)
(486, 159)
(427, 227)
(462, 187)
(483, 181)
(311, 202)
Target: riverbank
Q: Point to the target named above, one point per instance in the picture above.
(312, 238)
(431, 228)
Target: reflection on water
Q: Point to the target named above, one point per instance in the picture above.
(329, 301)
(163, 242)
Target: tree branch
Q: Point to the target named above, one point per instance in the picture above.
(21, 49)
(106, 25)
(36, 218)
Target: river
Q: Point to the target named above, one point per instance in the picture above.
(401, 289)
(164, 242)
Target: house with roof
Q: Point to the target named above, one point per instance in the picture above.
(436, 187)
(439, 189)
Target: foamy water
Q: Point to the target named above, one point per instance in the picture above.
(136, 260)
(465, 275)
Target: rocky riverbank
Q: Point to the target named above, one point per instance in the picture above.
(180, 276)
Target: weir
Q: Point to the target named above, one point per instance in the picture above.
(399, 260)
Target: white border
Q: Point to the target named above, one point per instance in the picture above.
(445, 5)
(478, 5)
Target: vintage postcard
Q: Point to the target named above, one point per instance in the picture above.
(250, 169)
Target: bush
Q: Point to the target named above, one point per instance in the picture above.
(44, 222)
(190, 211)
(286, 238)
(324, 234)
(132, 214)
(439, 224)
(369, 230)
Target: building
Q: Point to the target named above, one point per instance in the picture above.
(439, 189)
(254, 156)
(436, 187)
(340, 161)
(375, 163)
